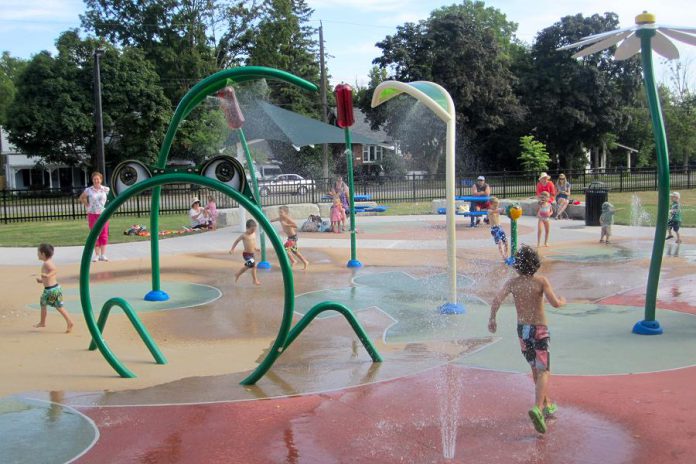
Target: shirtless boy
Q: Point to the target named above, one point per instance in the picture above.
(498, 234)
(290, 230)
(52, 294)
(248, 238)
(528, 291)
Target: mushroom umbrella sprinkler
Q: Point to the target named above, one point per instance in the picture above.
(644, 37)
(439, 101)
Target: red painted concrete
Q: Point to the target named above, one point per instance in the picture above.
(390, 422)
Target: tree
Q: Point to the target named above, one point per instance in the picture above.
(533, 154)
(573, 104)
(52, 112)
(10, 68)
(467, 49)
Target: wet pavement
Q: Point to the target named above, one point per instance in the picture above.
(447, 391)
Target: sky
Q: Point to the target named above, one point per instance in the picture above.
(352, 27)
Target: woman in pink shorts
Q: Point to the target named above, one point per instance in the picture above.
(94, 199)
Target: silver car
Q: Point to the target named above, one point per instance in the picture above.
(286, 183)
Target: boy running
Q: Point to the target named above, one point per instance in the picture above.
(290, 230)
(498, 234)
(52, 294)
(248, 238)
(528, 291)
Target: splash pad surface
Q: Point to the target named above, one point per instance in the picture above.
(325, 402)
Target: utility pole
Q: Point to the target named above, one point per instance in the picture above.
(98, 120)
(324, 104)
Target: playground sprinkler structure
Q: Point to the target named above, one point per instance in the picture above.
(344, 111)
(514, 212)
(644, 37)
(439, 101)
(226, 175)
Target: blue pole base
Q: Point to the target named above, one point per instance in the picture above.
(510, 261)
(156, 295)
(354, 263)
(451, 308)
(263, 265)
(647, 328)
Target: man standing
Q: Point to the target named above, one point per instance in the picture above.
(479, 189)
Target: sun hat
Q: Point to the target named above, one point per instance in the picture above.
(195, 200)
(481, 178)
(544, 176)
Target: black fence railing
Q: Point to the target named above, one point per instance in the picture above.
(40, 205)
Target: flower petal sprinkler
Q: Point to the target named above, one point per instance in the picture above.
(644, 37)
(439, 101)
(514, 212)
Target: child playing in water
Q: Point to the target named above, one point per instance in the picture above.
(528, 291)
(52, 294)
(249, 240)
(290, 229)
(544, 214)
(606, 219)
(498, 234)
(674, 216)
(211, 212)
(337, 215)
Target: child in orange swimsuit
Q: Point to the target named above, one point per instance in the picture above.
(544, 214)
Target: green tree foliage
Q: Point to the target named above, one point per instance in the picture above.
(286, 41)
(533, 154)
(467, 49)
(52, 111)
(572, 103)
(10, 68)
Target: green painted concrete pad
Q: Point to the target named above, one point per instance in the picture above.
(181, 295)
(39, 431)
(589, 339)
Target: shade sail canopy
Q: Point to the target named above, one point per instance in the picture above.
(270, 122)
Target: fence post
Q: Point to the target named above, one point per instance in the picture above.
(621, 175)
(413, 182)
(4, 205)
(688, 177)
(72, 202)
(504, 184)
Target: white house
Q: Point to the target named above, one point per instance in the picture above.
(23, 172)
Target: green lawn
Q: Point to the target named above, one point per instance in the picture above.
(622, 201)
(74, 232)
(408, 208)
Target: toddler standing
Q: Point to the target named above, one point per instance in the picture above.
(52, 293)
(675, 217)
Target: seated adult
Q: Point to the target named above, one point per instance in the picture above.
(563, 196)
(545, 185)
(199, 218)
(479, 189)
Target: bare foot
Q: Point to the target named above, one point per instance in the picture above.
(39, 325)
(601, 241)
(257, 282)
(69, 329)
(607, 242)
(305, 266)
(236, 278)
(546, 245)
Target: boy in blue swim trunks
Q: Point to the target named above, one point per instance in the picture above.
(528, 291)
(52, 294)
(497, 232)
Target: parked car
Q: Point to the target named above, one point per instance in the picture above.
(286, 183)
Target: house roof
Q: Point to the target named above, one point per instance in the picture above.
(362, 127)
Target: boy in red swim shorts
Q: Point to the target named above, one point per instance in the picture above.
(528, 291)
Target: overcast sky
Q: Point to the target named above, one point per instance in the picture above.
(351, 27)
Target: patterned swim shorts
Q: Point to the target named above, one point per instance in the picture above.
(534, 342)
(52, 296)
(498, 234)
(291, 243)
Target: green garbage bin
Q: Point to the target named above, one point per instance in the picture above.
(595, 194)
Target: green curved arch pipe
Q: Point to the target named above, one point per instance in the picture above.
(193, 98)
(155, 182)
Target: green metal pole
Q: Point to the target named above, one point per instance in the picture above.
(264, 264)
(650, 326)
(354, 263)
(513, 238)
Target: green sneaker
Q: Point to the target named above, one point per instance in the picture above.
(537, 419)
(550, 409)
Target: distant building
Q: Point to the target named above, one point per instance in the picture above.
(368, 158)
(27, 173)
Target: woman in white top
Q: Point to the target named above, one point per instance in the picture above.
(94, 199)
(198, 215)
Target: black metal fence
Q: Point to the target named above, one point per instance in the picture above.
(40, 205)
